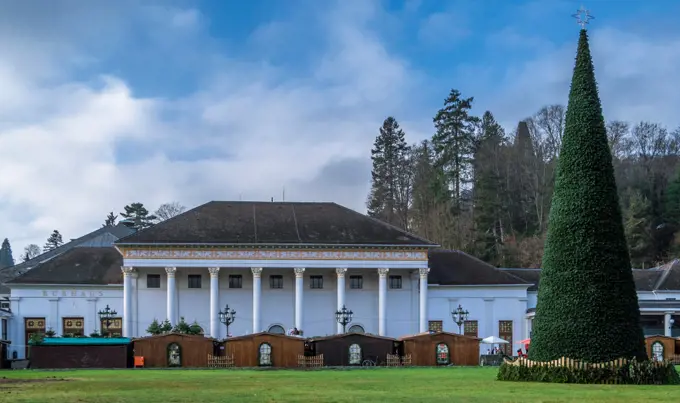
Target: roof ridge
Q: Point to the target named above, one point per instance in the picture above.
(164, 221)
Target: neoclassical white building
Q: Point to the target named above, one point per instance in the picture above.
(280, 266)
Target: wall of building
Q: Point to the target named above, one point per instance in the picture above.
(55, 303)
(277, 306)
(486, 305)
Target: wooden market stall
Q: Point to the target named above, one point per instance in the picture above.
(81, 352)
(354, 349)
(175, 350)
(662, 347)
(265, 350)
(441, 348)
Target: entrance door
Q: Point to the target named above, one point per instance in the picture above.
(33, 326)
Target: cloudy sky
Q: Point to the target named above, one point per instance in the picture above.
(103, 103)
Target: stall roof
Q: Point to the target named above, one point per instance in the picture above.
(83, 341)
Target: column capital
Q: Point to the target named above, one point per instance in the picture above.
(340, 271)
(214, 271)
(127, 270)
(423, 272)
(382, 272)
(299, 272)
(171, 271)
(257, 271)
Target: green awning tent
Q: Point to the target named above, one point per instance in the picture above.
(83, 341)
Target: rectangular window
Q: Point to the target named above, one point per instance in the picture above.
(153, 281)
(276, 281)
(4, 329)
(470, 328)
(395, 282)
(356, 282)
(73, 326)
(112, 327)
(235, 281)
(435, 326)
(316, 282)
(505, 333)
(195, 280)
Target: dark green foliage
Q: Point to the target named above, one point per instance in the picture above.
(110, 220)
(489, 187)
(154, 328)
(53, 242)
(454, 141)
(390, 176)
(6, 258)
(587, 304)
(672, 202)
(138, 215)
(184, 328)
(638, 227)
(633, 373)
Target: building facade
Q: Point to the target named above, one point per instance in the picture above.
(282, 266)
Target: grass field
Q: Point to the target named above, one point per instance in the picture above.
(369, 385)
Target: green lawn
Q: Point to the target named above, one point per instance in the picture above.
(367, 385)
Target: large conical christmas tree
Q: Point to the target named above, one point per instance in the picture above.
(587, 304)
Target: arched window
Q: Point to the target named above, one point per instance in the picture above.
(174, 355)
(443, 357)
(276, 329)
(265, 355)
(354, 354)
(356, 329)
(657, 351)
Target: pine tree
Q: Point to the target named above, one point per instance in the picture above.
(587, 304)
(637, 225)
(53, 242)
(454, 142)
(388, 199)
(489, 188)
(110, 220)
(138, 215)
(6, 258)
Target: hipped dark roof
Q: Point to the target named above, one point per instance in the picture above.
(343, 335)
(662, 278)
(91, 265)
(253, 223)
(453, 267)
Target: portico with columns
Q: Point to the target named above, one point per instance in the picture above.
(279, 266)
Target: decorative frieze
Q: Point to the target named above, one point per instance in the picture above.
(273, 254)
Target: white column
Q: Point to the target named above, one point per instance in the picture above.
(53, 321)
(171, 295)
(214, 301)
(128, 321)
(91, 318)
(382, 300)
(667, 324)
(257, 290)
(299, 296)
(341, 292)
(423, 298)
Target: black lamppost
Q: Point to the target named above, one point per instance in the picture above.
(344, 316)
(459, 316)
(106, 315)
(227, 317)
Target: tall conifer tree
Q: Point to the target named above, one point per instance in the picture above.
(587, 304)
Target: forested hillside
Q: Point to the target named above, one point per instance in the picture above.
(477, 188)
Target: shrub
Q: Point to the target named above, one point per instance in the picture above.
(628, 373)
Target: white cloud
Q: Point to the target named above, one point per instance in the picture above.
(71, 150)
(636, 76)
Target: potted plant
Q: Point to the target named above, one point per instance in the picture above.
(50, 333)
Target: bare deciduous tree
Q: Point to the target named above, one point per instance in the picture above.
(168, 210)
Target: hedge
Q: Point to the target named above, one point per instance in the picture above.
(631, 372)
